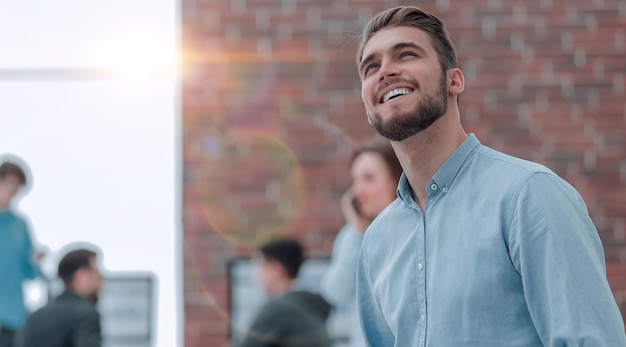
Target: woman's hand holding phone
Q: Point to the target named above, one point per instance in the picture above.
(352, 213)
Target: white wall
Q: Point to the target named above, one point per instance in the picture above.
(103, 150)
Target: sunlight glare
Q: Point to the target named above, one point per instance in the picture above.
(140, 60)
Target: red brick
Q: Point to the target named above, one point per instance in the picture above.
(546, 84)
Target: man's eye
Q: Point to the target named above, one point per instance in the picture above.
(370, 67)
(407, 54)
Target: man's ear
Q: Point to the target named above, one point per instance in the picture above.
(456, 81)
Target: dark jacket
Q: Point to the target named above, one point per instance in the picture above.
(297, 318)
(68, 321)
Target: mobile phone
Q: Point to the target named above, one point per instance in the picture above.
(355, 205)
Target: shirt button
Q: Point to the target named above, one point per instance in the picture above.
(423, 318)
(433, 186)
(444, 189)
(419, 266)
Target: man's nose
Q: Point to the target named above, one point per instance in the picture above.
(387, 70)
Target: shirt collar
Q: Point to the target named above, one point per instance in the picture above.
(443, 178)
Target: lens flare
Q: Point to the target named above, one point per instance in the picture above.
(253, 188)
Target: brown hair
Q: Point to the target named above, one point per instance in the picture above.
(411, 16)
(8, 168)
(383, 148)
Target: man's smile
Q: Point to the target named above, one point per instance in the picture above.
(395, 93)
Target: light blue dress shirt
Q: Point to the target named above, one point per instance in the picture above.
(504, 254)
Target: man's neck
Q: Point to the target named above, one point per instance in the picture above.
(80, 294)
(422, 154)
(282, 287)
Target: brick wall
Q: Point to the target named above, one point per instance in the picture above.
(271, 110)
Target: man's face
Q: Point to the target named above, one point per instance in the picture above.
(403, 87)
(94, 280)
(9, 186)
(268, 274)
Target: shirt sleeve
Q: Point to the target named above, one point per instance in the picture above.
(558, 253)
(375, 328)
(87, 332)
(339, 282)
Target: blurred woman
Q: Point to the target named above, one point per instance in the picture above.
(375, 172)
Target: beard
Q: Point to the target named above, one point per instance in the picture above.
(425, 113)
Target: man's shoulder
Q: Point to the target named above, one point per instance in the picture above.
(389, 216)
(54, 310)
(511, 173)
(273, 313)
(497, 161)
(278, 304)
(294, 302)
(71, 304)
(13, 217)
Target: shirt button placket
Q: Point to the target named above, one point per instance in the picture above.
(421, 275)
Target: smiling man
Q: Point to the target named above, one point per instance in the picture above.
(480, 248)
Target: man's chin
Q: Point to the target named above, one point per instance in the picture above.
(401, 127)
(395, 132)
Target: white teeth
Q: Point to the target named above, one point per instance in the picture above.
(395, 92)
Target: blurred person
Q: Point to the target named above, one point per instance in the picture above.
(71, 319)
(290, 317)
(375, 172)
(480, 248)
(18, 261)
